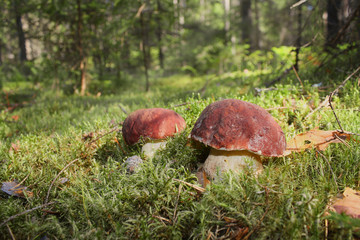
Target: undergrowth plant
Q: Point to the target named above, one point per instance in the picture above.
(96, 198)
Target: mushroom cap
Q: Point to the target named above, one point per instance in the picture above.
(151, 123)
(233, 124)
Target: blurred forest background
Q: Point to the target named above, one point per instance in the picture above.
(91, 46)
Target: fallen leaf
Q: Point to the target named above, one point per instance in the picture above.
(15, 189)
(15, 117)
(14, 147)
(202, 178)
(348, 203)
(315, 138)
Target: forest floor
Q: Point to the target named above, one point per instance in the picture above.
(69, 153)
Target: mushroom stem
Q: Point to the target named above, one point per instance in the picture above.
(220, 161)
(149, 149)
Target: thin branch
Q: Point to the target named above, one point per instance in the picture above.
(52, 183)
(17, 185)
(11, 233)
(298, 4)
(337, 119)
(123, 109)
(344, 82)
(114, 129)
(25, 212)
(297, 76)
(337, 90)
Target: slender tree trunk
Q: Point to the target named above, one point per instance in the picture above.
(298, 39)
(333, 27)
(226, 4)
(82, 64)
(145, 45)
(246, 22)
(20, 32)
(159, 34)
(1, 44)
(256, 42)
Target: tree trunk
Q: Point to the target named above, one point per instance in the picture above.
(298, 39)
(246, 22)
(333, 27)
(145, 43)
(256, 42)
(159, 34)
(20, 32)
(82, 58)
(226, 4)
(1, 44)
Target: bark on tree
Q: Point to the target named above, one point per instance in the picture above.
(159, 34)
(333, 7)
(82, 58)
(298, 39)
(1, 44)
(256, 42)
(226, 4)
(145, 17)
(246, 21)
(20, 32)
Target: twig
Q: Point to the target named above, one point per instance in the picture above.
(321, 105)
(176, 205)
(162, 219)
(328, 162)
(337, 119)
(25, 212)
(123, 109)
(20, 183)
(298, 4)
(337, 90)
(297, 76)
(197, 188)
(277, 108)
(52, 183)
(341, 140)
(344, 82)
(114, 129)
(350, 133)
(11, 233)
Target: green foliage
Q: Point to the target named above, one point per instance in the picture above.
(98, 198)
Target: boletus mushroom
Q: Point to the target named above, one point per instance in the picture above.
(239, 133)
(153, 125)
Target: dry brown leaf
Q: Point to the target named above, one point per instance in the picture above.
(15, 117)
(14, 147)
(315, 138)
(202, 178)
(348, 203)
(15, 189)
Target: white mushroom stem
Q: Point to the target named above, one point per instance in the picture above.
(149, 149)
(220, 161)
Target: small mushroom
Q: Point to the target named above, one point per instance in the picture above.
(153, 125)
(239, 133)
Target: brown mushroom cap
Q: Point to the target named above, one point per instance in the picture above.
(233, 124)
(151, 123)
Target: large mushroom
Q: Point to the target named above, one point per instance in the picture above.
(239, 133)
(153, 125)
